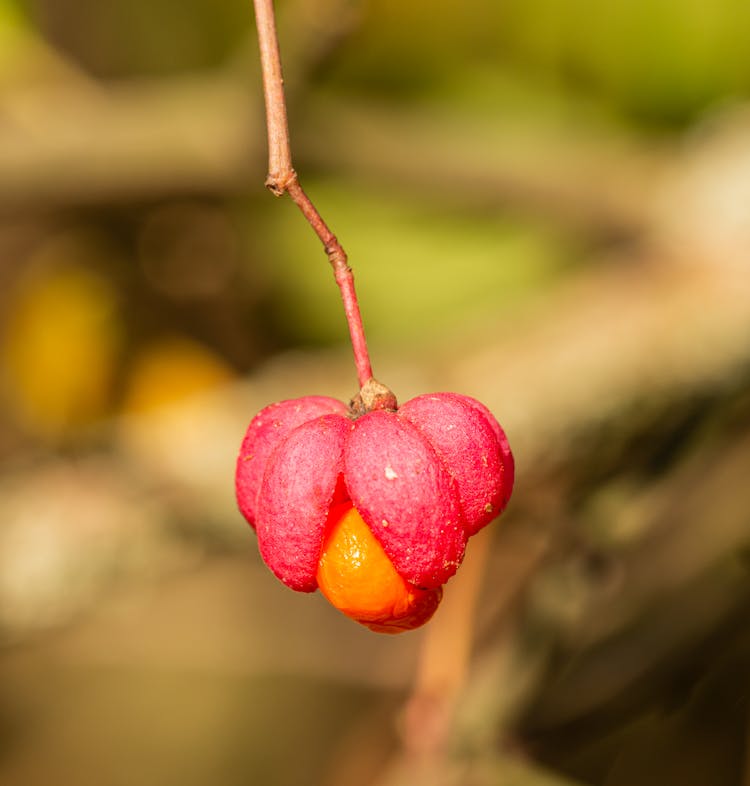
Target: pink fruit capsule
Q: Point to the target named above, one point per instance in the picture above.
(424, 478)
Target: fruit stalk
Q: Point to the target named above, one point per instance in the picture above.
(282, 179)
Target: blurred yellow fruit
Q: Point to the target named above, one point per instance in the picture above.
(60, 346)
(171, 369)
(173, 428)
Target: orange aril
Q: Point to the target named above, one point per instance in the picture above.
(356, 576)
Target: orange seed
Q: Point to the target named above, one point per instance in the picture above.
(356, 576)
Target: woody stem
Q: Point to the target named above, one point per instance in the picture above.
(283, 179)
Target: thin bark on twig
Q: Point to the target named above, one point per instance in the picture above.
(444, 657)
(283, 179)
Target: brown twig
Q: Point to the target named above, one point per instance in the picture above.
(283, 179)
(444, 658)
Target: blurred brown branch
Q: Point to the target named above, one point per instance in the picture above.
(65, 146)
(66, 140)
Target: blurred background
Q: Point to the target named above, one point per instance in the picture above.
(547, 206)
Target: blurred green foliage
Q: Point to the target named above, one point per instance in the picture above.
(658, 62)
(407, 274)
(661, 61)
(120, 38)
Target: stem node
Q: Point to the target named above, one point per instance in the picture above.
(278, 184)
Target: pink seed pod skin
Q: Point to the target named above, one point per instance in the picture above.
(424, 478)
(266, 430)
(296, 496)
(464, 437)
(406, 496)
(505, 451)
